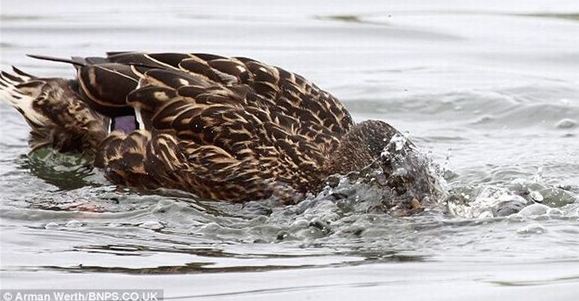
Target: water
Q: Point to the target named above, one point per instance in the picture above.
(489, 90)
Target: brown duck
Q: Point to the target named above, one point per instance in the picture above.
(231, 129)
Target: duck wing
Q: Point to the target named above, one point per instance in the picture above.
(271, 86)
(220, 136)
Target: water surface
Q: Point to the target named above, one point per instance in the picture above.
(489, 90)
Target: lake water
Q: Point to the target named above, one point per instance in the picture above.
(488, 89)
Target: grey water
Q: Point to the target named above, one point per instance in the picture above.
(488, 90)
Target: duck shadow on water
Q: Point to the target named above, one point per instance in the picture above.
(351, 258)
(64, 171)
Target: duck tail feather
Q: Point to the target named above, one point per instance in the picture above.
(76, 61)
(19, 91)
(22, 74)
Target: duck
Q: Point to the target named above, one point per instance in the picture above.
(229, 129)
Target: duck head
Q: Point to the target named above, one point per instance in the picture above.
(374, 151)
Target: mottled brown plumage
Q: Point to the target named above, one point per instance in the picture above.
(57, 117)
(231, 129)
